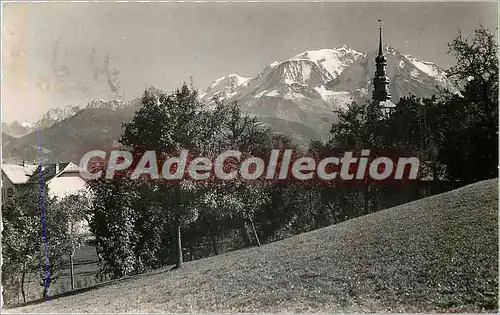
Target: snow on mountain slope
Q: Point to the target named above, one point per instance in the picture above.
(332, 60)
(432, 70)
(96, 126)
(309, 87)
(52, 116)
(407, 75)
(55, 115)
(26, 124)
(292, 90)
(107, 104)
(298, 71)
(225, 87)
(311, 68)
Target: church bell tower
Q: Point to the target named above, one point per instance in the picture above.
(381, 93)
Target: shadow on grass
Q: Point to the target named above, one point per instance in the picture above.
(93, 287)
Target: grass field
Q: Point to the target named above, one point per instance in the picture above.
(86, 269)
(434, 254)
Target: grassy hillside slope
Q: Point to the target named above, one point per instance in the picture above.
(438, 253)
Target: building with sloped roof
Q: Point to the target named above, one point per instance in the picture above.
(61, 178)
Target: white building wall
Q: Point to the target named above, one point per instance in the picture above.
(66, 184)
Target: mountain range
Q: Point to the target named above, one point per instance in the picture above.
(298, 97)
(54, 115)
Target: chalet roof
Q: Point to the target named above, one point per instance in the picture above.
(19, 174)
(48, 172)
(70, 168)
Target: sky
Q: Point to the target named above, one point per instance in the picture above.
(59, 54)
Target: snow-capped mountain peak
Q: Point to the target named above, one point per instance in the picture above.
(390, 50)
(110, 104)
(301, 71)
(432, 70)
(55, 115)
(273, 64)
(427, 67)
(26, 124)
(310, 68)
(225, 87)
(407, 75)
(309, 87)
(52, 116)
(332, 60)
(293, 90)
(232, 79)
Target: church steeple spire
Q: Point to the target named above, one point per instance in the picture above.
(381, 81)
(380, 53)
